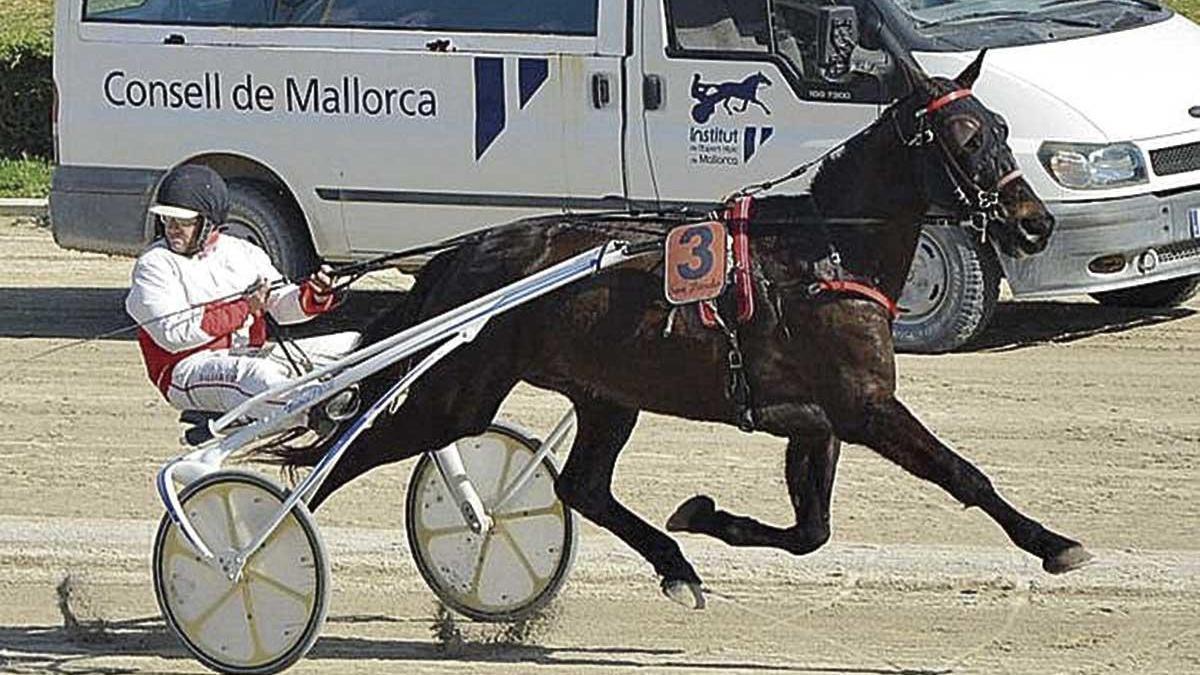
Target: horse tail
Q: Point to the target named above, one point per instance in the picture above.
(291, 456)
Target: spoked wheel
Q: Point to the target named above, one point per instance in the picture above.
(268, 618)
(511, 571)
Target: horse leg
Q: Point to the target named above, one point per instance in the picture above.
(889, 428)
(585, 485)
(809, 467)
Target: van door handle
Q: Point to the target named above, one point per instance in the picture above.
(652, 92)
(601, 90)
(175, 39)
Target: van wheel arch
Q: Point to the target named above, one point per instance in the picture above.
(951, 293)
(264, 211)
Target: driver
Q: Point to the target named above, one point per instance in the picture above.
(202, 298)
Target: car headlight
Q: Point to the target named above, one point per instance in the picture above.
(1090, 166)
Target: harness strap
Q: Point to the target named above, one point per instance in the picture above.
(860, 289)
(1008, 178)
(737, 387)
(737, 216)
(946, 100)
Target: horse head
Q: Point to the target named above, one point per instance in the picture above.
(972, 171)
(760, 79)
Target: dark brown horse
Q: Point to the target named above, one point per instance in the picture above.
(819, 366)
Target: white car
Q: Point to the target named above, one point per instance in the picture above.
(348, 128)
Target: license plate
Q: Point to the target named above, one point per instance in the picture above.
(1194, 222)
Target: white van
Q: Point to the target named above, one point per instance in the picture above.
(348, 128)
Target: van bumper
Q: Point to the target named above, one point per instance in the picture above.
(1152, 233)
(102, 209)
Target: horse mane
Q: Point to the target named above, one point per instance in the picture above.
(839, 188)
(863, 178)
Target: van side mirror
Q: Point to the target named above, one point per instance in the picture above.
(837, 36)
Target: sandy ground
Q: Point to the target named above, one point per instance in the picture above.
(1085, 417)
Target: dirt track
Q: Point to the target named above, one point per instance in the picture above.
(1086, 418)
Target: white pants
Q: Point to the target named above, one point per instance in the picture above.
(220, 380)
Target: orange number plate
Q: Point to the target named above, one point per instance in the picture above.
(696, 259)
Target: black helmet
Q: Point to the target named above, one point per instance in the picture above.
(193, 191)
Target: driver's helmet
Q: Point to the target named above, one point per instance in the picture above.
(193, 191)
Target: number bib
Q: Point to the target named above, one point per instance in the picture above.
(696, 262)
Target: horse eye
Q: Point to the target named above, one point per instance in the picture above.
(965, 131)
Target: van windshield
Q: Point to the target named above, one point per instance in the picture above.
(974, 24)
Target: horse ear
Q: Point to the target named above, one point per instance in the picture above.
(967, 77)
(914, 75)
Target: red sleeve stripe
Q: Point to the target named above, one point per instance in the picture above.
(308, 300)
(223, 318)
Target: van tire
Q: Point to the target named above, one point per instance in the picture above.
(1158, 295)
(262, 214)
(951, 293)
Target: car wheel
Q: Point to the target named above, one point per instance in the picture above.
(263, 216)
(951, 292)
(1169, 293)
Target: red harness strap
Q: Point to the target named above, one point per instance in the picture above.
(737, 216)
(946, 100)
(863, 290)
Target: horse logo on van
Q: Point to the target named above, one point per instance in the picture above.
(708, 95)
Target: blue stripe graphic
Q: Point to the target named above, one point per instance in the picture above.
(753, 140)
(532, 74)
(489, 102)
(748, 146)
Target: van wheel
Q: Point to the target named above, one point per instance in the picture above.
(951, 292)
(1169, 293)
(259, 213)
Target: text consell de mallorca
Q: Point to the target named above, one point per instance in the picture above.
(348, 96)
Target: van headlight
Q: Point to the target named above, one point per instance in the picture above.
(1089, 166)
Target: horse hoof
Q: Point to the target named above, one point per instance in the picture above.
(685, 593)
(686, 515)
(1070, 559)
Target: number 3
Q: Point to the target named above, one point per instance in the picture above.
(702, 252)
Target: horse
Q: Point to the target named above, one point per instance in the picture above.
(708, 95)
(819, 365)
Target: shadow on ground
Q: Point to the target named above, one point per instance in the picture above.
(85, 313)
(1026, 324)
(54, 649)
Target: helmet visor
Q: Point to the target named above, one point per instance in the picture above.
(179, 212)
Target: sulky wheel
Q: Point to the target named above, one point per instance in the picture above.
(268, 618)
(511, 571)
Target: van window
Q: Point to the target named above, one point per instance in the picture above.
(562, 17)
(787, 30)
(720, 25)
(796, 26)
(571, 17)
(202, 12)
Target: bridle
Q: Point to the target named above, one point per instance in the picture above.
(982, 205)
